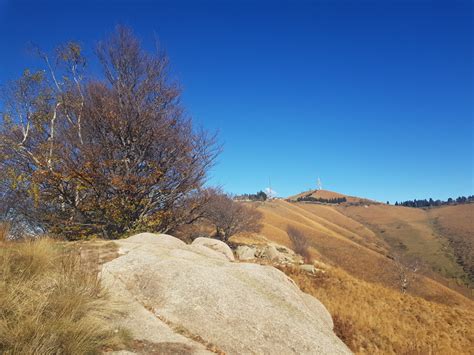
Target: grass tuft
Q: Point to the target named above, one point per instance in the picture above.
(51, 301)
(4, 231)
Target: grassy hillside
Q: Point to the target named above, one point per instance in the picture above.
(456, 225)
(372, 319)
(362, 288)
(410, 232)
(344, 237)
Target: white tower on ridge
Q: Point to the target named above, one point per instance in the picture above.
(320, 185)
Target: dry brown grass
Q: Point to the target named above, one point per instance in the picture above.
(456, 224)
(374, 319)
(52, 302)
(410, 231)
(339, 240)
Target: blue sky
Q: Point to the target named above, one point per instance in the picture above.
(375, 97)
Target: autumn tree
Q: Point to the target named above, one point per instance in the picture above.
(230, 217)
(106, 155)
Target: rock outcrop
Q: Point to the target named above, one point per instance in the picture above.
(193, 299)
(275, 253)
(216, 245)
(245, 252)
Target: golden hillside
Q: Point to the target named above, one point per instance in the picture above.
(363, 240)
(456, 225)
(328, 195)
(361, 287)
(373, 319)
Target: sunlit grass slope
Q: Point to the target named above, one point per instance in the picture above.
(373, 319)
(409, 231)
(340, 240)
(456, 225)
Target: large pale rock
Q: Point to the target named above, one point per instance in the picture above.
(245, 252)
(161, 240)
(272, 253)
(237, 307)
(216, 245)
(308, 268)
(144, 325)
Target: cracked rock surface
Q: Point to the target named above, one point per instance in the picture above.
(193, 299)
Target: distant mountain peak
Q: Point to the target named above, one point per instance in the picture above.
(330, 195)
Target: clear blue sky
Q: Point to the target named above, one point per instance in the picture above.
(375, 97)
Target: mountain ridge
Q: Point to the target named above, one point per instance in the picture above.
(330, 195)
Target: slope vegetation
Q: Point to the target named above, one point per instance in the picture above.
(438, 237)
(363, 239)
(365, 246)
(456, 225)
(372, 319)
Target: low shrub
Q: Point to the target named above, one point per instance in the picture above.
(300, 242)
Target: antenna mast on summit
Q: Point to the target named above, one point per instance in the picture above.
(269, 189)
(320, 185)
